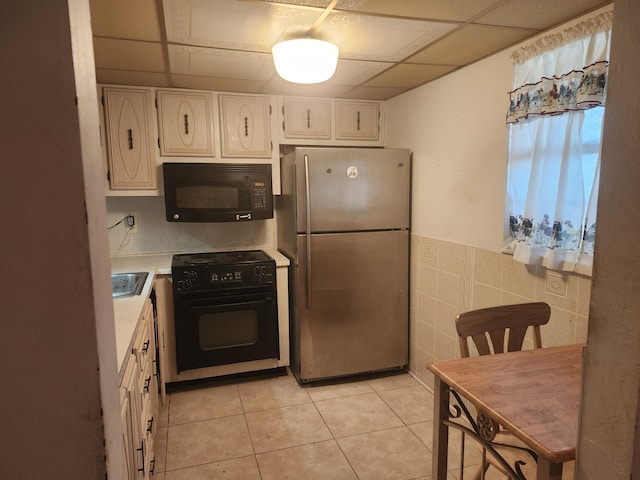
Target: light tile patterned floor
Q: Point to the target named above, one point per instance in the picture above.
(273, 429)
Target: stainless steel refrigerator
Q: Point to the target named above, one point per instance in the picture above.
(343, 221)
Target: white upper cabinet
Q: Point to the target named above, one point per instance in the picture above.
(185, 122)
(306, 118)
(245, 124)
(357, 120)
(129, 132)
(331, 122)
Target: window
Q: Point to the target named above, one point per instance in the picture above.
(556, 114)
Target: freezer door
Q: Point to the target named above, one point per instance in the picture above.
(347, 189)
(352, 311)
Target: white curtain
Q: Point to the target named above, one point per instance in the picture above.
(555, 116)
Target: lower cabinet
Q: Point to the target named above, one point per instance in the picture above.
(139, 399)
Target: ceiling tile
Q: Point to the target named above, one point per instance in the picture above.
(225, 45)
(470, 43)
(127, 77)
(306, 3)
(408, 75)
(251, 26)
(278, 86)
(216, 83)
(355, 72)
(128, 55)
(538, 14)
(220, 63)
(137, 20)
(375, 93)
(359, 36)
(450, 10)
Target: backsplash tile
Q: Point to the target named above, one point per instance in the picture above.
(448, 278)
(156, 235)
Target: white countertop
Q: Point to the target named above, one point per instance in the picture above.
(127, 310)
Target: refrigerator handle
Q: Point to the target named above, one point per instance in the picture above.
(308, 228)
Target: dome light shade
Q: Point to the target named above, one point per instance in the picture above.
(305, 60)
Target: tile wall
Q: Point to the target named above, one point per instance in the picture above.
(153, 234)
(448, 278)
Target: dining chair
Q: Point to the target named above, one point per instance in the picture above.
(496, 330)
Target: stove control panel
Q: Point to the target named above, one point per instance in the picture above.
(217, 278)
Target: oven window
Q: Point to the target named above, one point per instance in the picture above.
(208, 196)
(228, 329)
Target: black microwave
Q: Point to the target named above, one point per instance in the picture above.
(217, 192)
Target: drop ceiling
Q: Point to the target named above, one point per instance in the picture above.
(386, 46)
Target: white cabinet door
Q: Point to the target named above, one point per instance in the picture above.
(129, 127)
(306, 118)
(357, 120)
(245, 126)
(130, 414)
(164, 306)
(186, 124)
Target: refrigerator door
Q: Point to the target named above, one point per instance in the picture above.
(352, 189)
(353, 309)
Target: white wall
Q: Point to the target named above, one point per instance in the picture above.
(609, 435)
(54, 284)
(456, 130)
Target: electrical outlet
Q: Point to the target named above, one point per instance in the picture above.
(131, 222)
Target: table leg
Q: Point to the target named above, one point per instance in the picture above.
(440, 430)
(548, 470)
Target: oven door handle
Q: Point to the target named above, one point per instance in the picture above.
(229, 302)
(308, 231)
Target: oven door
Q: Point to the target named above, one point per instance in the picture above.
(226, 329)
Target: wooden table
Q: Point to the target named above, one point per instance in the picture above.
(535, 394)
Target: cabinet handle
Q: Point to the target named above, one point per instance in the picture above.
(358, 120)
(141, 450)
(308, 229)
(186, 124)
(150, 425)
(308, 118)
(153, 466)
(246, 126)
(145, 347)
(130, 138)
(147, 384)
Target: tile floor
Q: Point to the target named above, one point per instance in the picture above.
(273, 429)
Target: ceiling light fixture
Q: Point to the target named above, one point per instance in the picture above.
(305, 60)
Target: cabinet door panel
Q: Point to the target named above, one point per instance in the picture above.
(357, 120)
(245, 125)
(129, 133)
(307, 118)
(186, 124)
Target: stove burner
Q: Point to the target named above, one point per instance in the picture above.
(201, 259)
(243, 256)
(220, 258)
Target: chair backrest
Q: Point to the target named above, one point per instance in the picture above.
(494, 324)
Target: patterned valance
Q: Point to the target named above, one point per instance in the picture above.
(550, 81)
(576, 90)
